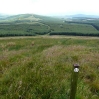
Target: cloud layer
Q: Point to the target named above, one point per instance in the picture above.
(47, 7)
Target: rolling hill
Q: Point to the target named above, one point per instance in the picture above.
(3, 16)
(31, 24)
(26, 17)
(83, 16)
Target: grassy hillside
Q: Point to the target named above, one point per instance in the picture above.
(40, 67)
(25, 25)
(20, 17)
(31, 25)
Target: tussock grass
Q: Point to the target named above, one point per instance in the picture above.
(40, 68)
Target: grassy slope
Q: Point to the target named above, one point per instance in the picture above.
(28, 24)
(40, 68)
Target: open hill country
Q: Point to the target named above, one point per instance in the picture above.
(37, 54)
(31, 25)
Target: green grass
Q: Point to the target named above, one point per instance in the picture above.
(40, 68)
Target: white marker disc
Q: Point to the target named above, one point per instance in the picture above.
(76, 70)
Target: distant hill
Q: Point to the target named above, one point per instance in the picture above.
(26, 18)
(21, 17)
(27, 25)
(31, 25)
(81, 16)
(2, 16)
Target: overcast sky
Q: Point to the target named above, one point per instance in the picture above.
(50, 7)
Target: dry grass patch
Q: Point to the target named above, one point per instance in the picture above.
(11, 44)
(53, 51)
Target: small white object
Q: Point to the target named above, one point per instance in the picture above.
(76, 70)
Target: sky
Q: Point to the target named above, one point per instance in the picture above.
(50, 7)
